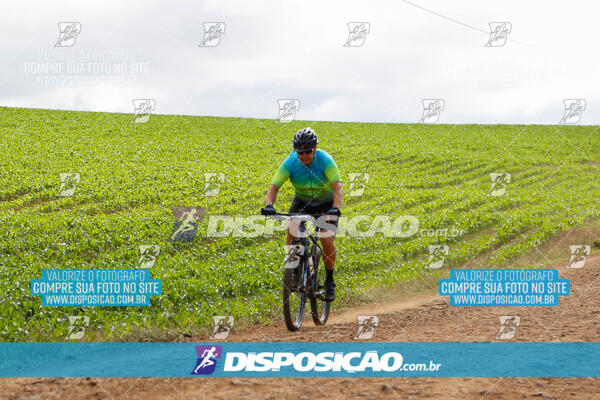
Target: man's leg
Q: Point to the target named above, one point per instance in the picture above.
(329, 254)
(328, 251)
(288, 240)
(289, 237)
(296, 207)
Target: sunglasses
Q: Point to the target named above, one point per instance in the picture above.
(305, 152)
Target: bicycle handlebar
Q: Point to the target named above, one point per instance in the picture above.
(299, 214)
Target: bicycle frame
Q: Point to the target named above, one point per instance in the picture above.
(303, 279)
(308, 276)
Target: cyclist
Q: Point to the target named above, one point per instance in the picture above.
(318, 190)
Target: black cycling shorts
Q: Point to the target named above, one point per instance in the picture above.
(299, 206)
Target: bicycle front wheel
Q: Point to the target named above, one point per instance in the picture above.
(294, 302)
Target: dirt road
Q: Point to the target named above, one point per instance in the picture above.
(419, 319)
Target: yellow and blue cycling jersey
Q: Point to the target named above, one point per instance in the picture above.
(312, 183)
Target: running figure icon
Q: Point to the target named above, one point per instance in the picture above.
(207, 361)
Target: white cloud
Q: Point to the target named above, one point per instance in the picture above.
(294, 50)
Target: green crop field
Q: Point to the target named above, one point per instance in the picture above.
(132, 175)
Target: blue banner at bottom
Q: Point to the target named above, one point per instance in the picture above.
(367, 359)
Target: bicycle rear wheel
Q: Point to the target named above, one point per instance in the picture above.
(319, 307)
(294, 302)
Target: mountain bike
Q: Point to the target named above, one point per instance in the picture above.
(304, 276)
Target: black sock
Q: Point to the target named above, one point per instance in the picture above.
(329, 277)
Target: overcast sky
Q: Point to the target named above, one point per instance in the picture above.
(430, 49)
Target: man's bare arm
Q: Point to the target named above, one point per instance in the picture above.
(338, 194)
(272, 194)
